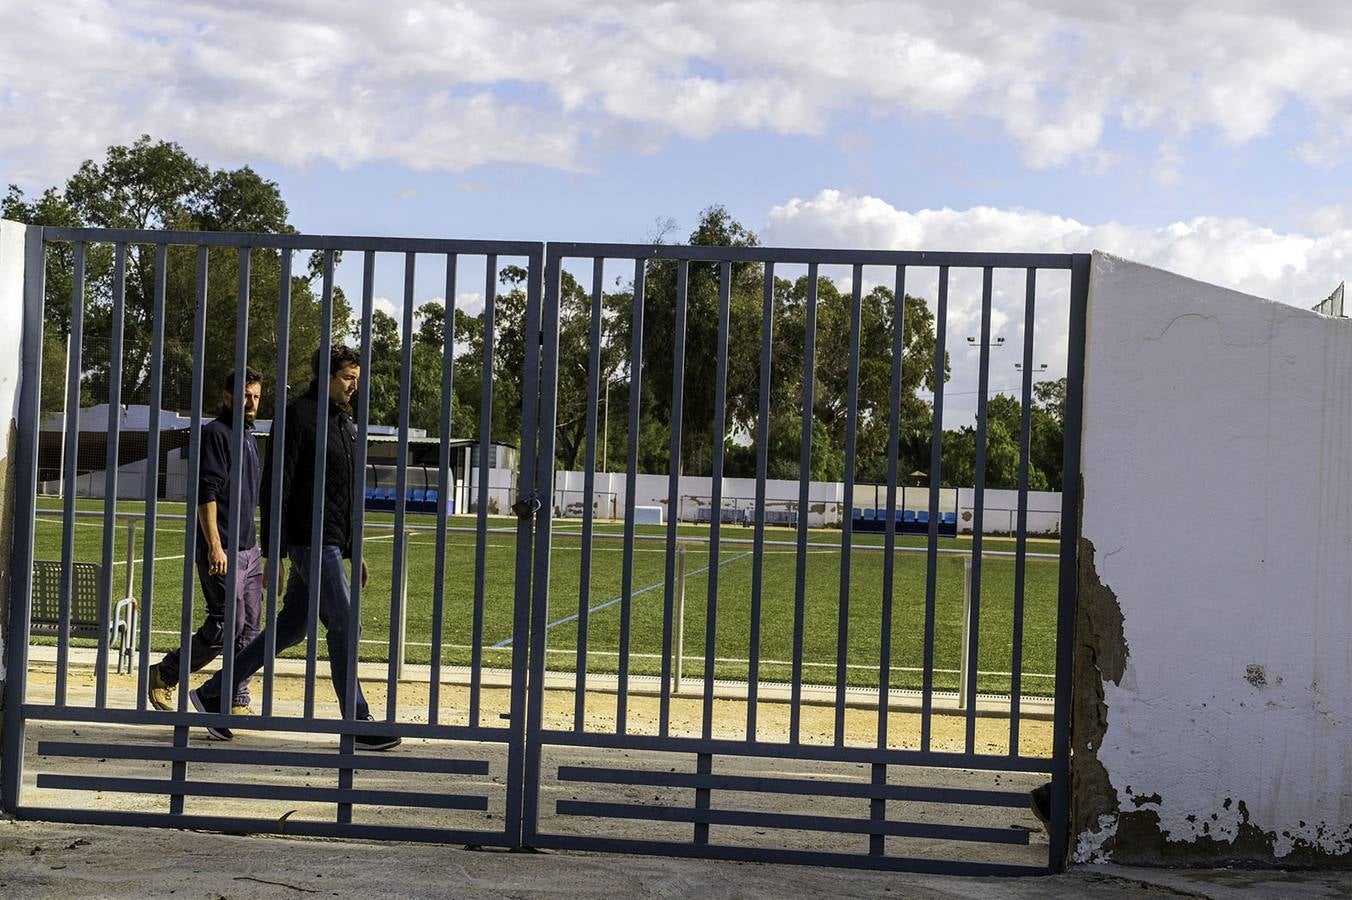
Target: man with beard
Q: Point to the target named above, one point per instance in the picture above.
(213, 546)
(342, 367)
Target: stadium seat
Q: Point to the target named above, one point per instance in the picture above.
(922, 517)
(370, 492)
(949, 518)
(431, 497)
(858, 514)
(419, 495)
(870, 515)
(908, 517)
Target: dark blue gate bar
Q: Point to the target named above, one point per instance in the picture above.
(152, 479)
(1021, 538)
(804, 482)
(673, 494)
(70, 470)
(110, 470)
(588, 494)
(443, 504)
(762, 465)
(978, 513)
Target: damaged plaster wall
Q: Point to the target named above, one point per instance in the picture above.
(1213, 692)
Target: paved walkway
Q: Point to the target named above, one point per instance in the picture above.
(45, 860)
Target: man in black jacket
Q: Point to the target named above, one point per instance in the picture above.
(214, 543)
(342, 367)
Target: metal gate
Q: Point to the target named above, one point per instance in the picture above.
(725, 781)
(565, 718)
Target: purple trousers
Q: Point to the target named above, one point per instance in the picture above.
(209, 640)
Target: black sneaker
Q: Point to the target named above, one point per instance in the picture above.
(1040, 801)
(218, 732)
(377, 741)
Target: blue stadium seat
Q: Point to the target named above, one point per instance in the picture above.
(870, 515)
(431, 497)
(370, 492)
(858, 514)
(922, 517)
(908, 517)
(949, 518)
(419, 495)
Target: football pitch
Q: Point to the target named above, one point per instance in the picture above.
(648, 593)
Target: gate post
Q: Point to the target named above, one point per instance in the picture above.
(21, 298)
(1067, 594)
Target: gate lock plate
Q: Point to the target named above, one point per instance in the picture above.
(526, 506)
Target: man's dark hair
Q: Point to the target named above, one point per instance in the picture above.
(251, 376)
(340, 357)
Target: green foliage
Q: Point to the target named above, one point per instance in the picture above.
(1003, 428)
(157, 185)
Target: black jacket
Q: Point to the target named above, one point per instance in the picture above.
(298, 474)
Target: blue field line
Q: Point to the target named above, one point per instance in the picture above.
(643, 590)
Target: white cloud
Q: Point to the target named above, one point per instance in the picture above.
(448, 86)
(387, 306)
(471, 302)
(1288, 267)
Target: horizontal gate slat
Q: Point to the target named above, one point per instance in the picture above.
(260, 792)
(222, 756)
(291, 826)
(761, 784)
(261, 723)
(791, 821)
(815, 752)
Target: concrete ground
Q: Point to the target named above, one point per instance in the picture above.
(39, 860)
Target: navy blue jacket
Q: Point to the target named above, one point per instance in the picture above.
(213, 481)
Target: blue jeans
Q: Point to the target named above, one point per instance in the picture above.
(335, 599)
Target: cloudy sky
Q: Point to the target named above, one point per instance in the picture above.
(1211, 141)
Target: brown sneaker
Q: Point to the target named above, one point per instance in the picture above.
(158, 691)
(241, 711)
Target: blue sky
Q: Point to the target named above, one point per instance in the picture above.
(1214, 142)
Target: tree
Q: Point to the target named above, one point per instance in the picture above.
(157, 185)
(829, 403)
(1003, 429)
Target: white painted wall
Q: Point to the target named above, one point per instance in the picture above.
(11, 334)
(1218, 496)
(1001, 511)
(652, 490)
(827, 499)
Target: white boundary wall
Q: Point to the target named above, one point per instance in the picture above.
(826, 499)
(1218, 498)
(12, 239)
